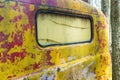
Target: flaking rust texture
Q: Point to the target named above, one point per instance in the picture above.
(22, 58)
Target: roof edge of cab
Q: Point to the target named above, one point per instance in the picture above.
(77, 5)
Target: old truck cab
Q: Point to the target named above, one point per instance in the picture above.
(53, 40)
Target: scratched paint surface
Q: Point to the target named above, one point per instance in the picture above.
(21, 57)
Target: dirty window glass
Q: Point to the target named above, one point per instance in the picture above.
(61, 29)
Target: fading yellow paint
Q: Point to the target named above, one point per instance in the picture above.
(87, 61)
(32, 7)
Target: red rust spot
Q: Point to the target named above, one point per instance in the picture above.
(14, 75)
(105, 59)
(18, 39)
(33, 56)
(36, 66)
(101, 25)
(14, 55)
(30, 14)
(102, 42)
(9, 77)
(3, 37)
(6, 45)
(1, 18)
(16, 7)
(26, 26)
(27, 67)
(5, 54)
(104, 27)
(16, 18)
(3, 59)
(49, 57)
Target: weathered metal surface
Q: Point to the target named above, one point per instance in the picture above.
(21, 57)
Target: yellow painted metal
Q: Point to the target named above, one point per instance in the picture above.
(21, 57)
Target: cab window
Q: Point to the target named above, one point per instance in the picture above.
(62, 29)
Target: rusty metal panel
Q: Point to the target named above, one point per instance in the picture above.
(21, 57)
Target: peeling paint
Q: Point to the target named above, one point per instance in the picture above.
(22, 58)
(88, 75)
(1, 18)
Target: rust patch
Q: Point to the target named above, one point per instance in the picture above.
(26, 27)
(3, 37)
(16, 7)
(1, 18)
(49, 58)
(29, 13)
(33, 56)
(16, 19)
(18, 46)
(9, 77)
(18, 39)
(14, 55)
(7, 45)
(36, 66)
(101, 25)
(3, 59)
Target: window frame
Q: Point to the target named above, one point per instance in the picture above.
(65, 13)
